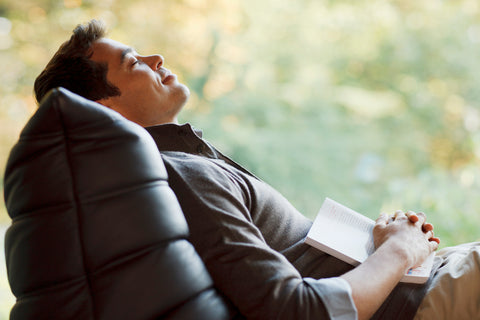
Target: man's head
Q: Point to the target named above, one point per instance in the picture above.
(72, 68)
(115, 75)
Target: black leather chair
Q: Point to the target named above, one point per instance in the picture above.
(96, 231)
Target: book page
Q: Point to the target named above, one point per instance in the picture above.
(343, 230)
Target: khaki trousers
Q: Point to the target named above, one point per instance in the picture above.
(455, 290)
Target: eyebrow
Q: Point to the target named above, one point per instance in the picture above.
(124, 54)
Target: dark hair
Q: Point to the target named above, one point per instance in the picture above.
(72, 68)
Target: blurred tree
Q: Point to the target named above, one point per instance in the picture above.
(372, 103)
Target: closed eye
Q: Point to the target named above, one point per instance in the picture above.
(138, 62)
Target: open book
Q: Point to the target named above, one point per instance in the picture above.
(347, 235)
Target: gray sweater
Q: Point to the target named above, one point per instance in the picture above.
(251, 238)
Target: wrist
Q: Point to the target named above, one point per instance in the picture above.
(398, 254)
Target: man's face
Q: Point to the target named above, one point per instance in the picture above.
(150, 94)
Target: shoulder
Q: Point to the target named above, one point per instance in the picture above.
(190, 164)
(197, 172)
(212, 180)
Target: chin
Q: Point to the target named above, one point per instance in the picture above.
(183, 96)
(186, 91)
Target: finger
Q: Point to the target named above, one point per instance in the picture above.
(382, 220)
(391, 218)
(422, 217)
(433, 244)
(427, 227)
(412, 216)
(398, 215)
(432, 238)
(429, 234)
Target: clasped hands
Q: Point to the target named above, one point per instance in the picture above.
(407, 233)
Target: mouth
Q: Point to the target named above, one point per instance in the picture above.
(169, 78)
(166, 76)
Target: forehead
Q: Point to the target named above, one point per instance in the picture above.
(110, 51)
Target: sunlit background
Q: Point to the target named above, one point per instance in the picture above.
(375, 104)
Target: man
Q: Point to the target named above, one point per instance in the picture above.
(249, 236)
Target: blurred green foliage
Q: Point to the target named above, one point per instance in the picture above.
(372, 103)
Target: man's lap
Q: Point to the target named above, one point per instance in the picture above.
(455, 289)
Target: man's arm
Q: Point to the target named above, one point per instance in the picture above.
(402, 242)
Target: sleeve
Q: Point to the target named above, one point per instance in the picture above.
(336, 294)
(258, 280)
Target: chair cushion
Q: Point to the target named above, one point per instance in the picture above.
(96, 231)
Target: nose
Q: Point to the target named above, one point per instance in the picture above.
(155, 61)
